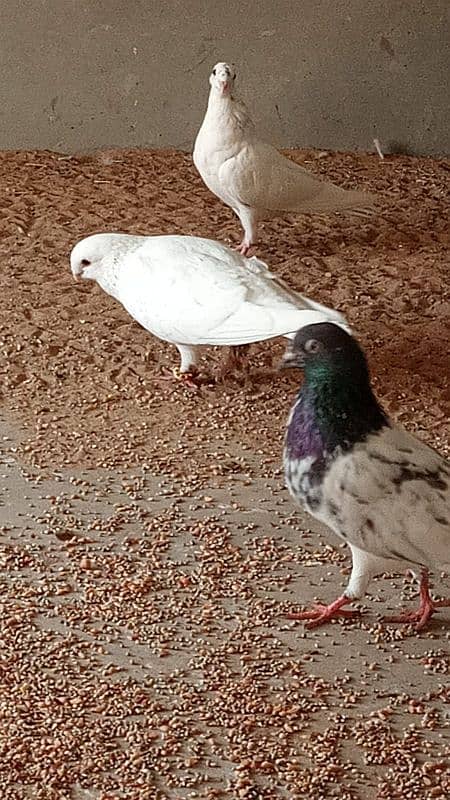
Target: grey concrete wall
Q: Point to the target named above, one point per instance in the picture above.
(328, 73)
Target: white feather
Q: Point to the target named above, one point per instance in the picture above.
(192, 291)
(253, 177)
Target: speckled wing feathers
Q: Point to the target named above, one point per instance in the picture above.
(390, 496)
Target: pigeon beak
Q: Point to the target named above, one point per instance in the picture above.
(77, 273)
(225, 87)
(291, 360)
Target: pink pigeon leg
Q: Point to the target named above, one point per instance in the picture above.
(320, 613)
(237, 358)
(244, 247)
(191, 378)
(248, 219)
(427, 607)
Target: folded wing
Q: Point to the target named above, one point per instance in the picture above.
(261, 177)
(196, 291)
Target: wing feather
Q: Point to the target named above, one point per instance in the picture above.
(393, 494)
(261, 177)
(196, 291)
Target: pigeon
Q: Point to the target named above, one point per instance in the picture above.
(381, 490)
(191, 292)
(251, 176)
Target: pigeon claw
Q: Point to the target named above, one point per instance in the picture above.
(421, 616)
(244, 248)
(189, 379)
(418, 618)
(426, 609)
(320, 613)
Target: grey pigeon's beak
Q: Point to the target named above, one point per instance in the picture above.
(292, 359)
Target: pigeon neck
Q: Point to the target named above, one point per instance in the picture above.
(228, 119)
(108, 275)
(219, 104)
(336, 408)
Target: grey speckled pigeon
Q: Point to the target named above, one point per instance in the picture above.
(381, 490)
(251, 176)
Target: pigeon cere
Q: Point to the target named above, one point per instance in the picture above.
(225, 405)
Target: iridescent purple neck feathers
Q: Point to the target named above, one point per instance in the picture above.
(331, 417)
(303, 437)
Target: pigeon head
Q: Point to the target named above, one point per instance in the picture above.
(337, 402)
(222, 78)
(325, 348)
(89, 255)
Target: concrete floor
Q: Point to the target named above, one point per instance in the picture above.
(194, 606)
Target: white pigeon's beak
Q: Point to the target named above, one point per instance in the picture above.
(77, 271)
(225, 87)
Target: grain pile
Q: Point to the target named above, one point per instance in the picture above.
(147, 546)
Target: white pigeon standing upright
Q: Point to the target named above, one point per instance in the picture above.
(251, 176)
(193, 292)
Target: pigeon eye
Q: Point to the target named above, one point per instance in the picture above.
(214, 71)
(85, 262)
(312, 346)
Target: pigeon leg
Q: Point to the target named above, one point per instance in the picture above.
(426, 608)
(248, 221)
(190, 378)
(236, 360)
(244, 247)
(187, 372)
(320, 613)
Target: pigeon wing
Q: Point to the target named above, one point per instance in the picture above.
(393, 492)
(260, 177)
(196, 291)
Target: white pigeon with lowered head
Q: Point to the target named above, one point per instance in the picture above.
(251, 176)
(381, 490)
(192, 292)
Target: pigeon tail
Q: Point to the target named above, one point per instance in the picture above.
(256, 323)
(333, 199)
